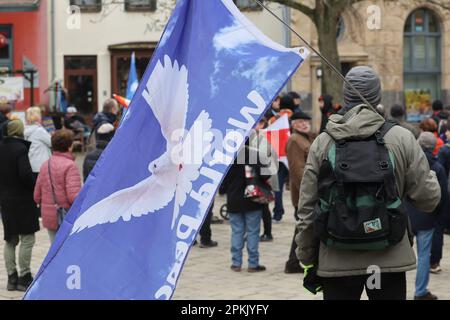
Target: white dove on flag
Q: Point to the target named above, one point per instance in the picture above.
(168, 96)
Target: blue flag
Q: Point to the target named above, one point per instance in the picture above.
(133, 82)
(130, 229)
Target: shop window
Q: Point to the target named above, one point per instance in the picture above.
(140, 5)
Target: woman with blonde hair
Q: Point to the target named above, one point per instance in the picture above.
(40, 150)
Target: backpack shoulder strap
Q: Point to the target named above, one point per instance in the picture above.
(387, 125)
(381, 132)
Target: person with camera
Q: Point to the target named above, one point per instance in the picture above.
(248, 191)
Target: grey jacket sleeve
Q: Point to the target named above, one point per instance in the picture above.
(421, 185)
(308, 245)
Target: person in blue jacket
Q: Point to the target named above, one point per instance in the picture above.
(424, 224)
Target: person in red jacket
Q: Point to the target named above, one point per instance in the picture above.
(429, 125)
(65, 178)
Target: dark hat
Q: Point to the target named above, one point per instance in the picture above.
(437, 105)
(300, 115)
(294, 95)
(366, 81)
(287, 102)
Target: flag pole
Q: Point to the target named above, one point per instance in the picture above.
(319, 54)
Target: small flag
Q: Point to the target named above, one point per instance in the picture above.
(124, 102)
(278, 134)
(132, 84)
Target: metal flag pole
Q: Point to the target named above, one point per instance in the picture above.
(319, 54)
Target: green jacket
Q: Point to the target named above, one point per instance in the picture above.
(414, 181)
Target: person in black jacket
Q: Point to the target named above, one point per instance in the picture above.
(5, 109)
(326, 108)
(19, 212)
(103, 135)
(108, 113)
(245, 214)
(424, 224)
(444, 151)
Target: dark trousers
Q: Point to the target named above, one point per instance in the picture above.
(267, 221)
(293, 263)
(392, 287)
(283, 174)
(205, 231)
(438, 243)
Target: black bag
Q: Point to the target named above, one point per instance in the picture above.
(257, 190)
(61, 212)
(359, 207)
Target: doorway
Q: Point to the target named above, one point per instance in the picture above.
(120, 63)
(80, 79)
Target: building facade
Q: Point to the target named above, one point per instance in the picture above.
(23, 47)
(94, 40)
(406, 41)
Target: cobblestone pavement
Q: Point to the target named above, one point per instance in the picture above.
(207, 273)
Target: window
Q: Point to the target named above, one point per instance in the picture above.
(421, 60)
(140, 5)
(18, 6)
(88, 5)
(6, 47)
(247, 5)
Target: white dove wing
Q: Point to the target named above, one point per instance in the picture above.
(196, 145)
(144, 198)
(168, 96)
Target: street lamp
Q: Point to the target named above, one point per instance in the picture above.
(319, 73)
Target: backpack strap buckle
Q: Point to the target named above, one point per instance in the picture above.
(379, 137)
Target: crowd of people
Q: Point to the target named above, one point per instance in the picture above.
(40, 179)
(402, 193)
(418, 157)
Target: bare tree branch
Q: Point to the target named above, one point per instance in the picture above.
(445, 6)
(296, 5)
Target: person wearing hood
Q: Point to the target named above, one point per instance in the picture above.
(19, 212)
(280, 107)
(423, 224)
(326, 108)
(40, 150)
(343, 274)
(296, 101)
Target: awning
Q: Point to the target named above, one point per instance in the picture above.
(133, 46)
(18, 5)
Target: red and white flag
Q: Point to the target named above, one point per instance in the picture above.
(278, 134)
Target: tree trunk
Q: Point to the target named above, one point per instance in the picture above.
(326, 23)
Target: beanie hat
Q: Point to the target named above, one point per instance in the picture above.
(367, 82)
